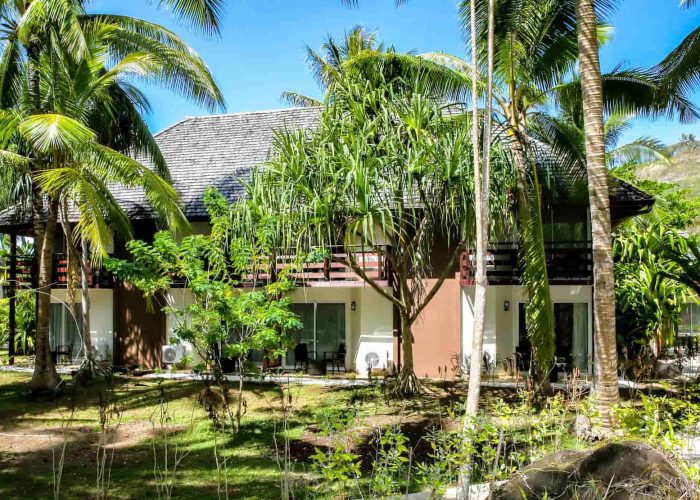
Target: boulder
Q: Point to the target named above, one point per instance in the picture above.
(619, 471)
(667, 369)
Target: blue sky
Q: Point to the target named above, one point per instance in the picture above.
(260, 52)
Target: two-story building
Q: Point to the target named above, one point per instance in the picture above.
(336, 307)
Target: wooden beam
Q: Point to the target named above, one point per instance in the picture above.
(12, 295)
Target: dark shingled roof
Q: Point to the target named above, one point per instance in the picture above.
(217, 151)
(222, 150)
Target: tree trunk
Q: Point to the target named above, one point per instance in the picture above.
(239, 410)
(85, 295)
(45, 376)
(481, 196)
(605, 349)
(407, 382)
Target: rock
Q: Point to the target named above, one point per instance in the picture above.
(583, 429)
(618, 471)
(666, 368)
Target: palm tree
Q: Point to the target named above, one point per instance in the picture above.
(329, 66)
(48, 133)
(565, 137)
(481, 199)
(536, 43)
(604, 342)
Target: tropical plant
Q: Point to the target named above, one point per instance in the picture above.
(385, 173)
(688, 259)
(50, 48)
(222, 320)
(330, 66)
(651, 286)
(539, 40)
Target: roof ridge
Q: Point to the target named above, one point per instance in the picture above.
(170, 127)
(258, 112)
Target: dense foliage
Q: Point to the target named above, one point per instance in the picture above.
(222, 320)
(386, 172)
(651, 294)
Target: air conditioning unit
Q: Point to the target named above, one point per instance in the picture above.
(173, 353)
(372, 360)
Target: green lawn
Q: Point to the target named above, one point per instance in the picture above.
(30, 438)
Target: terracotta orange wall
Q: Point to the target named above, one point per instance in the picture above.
(437, 332)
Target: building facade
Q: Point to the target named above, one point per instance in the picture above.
(338, 310)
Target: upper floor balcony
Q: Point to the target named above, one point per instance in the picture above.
(329, 271)
(568, 263)
(26, 273)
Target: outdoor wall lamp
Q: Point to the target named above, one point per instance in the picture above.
(506, 305)
(353, 305)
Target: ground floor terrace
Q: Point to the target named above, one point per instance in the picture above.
(353, 325)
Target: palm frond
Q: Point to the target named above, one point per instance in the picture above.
(203, 14)
(52, 132)
(679, 71)
(301, 100)
(631, 92)
(644, 149)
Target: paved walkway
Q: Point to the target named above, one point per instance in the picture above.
(303, 380)
(277, 379)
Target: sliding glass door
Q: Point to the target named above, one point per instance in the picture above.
(323, 330)
(571, 329)
(571, 336)
(65, 329)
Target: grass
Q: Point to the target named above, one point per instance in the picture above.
(32, 433)
(26, 471)
(26, 451)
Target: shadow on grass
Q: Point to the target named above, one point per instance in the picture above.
(252, 468)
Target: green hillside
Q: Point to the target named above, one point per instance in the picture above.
(683, 171)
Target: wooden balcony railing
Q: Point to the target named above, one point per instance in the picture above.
(26, 271)
(98, 277)
(330, 271)
(568, 262)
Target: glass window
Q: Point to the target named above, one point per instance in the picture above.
(571, 336)
(65, 329)
(571, 331)
(323, 329)
(690, 320)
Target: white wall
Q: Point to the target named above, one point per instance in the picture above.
(491, 331)
(101, 317)
(501, 334)
(369, 328)
(179, 298)
(376, 334)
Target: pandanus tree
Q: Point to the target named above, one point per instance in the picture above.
(386, 173)
(535, 47)
(68, 117)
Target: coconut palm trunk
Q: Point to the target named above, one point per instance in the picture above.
(45, 376)
(481, 196)
(85, 296)
(604, 341)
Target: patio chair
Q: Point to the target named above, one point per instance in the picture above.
(63, 354)
(301, 356)
(336, 358)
